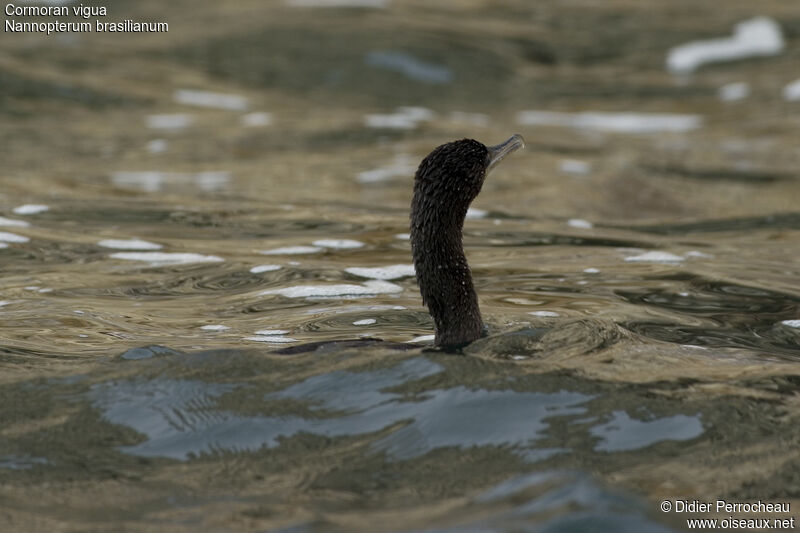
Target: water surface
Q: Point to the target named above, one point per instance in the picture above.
(180, 212)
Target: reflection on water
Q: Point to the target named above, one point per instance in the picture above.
(410, 66)
(180, 418)
(15, 462)
(623, 433)
(594, 508)
(188, 221)
(398, 414)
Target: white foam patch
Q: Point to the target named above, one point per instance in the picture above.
(403, 236)
(274, 339)
(475, 213)
(3, 245)
(172, 121)
(383, 273)
(129, 244)
(613, 122)
(4, 302)
(417, 112)
(293, 250)
(654, 257)
(257, 119)
(30, 209)
(756, 37)
(395, 121)
(403, 165)
(591, 270)
(365, 322)
(734, 91)
(263, 332)
(422, 338)
(15, 223)
(405, 118)
(264, 268)
(12, 237)
(153, 180)
(230, 102)
(211, 181)
(791, 323)
(162, 258)
(157, 146)
(370, 288)
(338, 244)
(701, 255)
(215, 327)
(574, 167)
(791, 92)
(149, 181)
(579, 223)
(544, 313)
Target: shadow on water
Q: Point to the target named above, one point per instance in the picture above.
(16, 86)
(722, 174)
(776, 222)
(500, 239)
(397, 66)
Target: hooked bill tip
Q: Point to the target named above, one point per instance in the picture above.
(498, 152)
(518, 139)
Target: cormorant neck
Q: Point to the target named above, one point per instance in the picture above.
(446, 182)
(443, 274)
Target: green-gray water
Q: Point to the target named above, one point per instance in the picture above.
(640, 287)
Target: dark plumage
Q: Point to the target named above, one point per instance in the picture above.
(446, 182)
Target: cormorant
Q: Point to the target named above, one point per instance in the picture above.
(446, 182)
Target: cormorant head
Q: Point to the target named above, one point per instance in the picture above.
(454, 172)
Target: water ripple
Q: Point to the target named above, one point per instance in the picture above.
(745, 316)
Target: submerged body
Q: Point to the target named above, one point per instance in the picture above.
(445, 184)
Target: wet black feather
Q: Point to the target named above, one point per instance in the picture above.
(445, 184)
